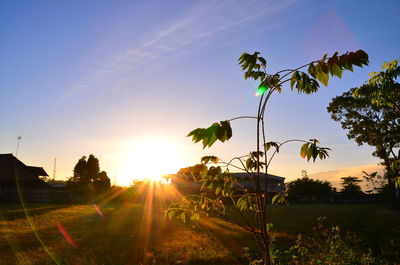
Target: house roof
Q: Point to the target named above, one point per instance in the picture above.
(10, 165)
(37, 170)
(244, 175)
(28, 176)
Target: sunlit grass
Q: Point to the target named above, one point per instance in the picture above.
(136, 231)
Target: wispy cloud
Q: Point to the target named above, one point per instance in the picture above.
(197, 27)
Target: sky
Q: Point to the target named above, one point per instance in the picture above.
(127, 80)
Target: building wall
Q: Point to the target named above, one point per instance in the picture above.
(28, 195)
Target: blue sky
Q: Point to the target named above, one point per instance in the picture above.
(104, 77)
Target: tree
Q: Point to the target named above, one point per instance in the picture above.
(383, 88)
(87, 177)
(79, 181)
(375, 183)
(101, 183)
(219, 187)
(92, 167)
(371, 116)
(351, 188)
(308, 188)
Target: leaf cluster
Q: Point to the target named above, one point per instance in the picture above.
(188, 209)
(268, 146)
(312, 150)
(253, 66)
(383, 88)
(253, 162)
(321, 70)
(280, 198)
(221, 131)
(218, 182)
(219, 185)
(328, 245)
(247, 202)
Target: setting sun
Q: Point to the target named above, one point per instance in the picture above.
(148, 158)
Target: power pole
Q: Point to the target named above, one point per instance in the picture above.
(54, 168)
(18, 139)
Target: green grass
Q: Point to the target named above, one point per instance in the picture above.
(139, 234)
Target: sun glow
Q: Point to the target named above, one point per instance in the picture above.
(148, 159)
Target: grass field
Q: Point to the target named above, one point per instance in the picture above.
(136, 233)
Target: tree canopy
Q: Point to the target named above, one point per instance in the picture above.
(372, 121)
(383, 88)
(307, 188)
(351, 187)
(87, 176)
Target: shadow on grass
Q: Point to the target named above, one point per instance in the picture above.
(11, 212)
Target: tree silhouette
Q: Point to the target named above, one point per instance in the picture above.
(101, 183)
(87, 177)
(306, 187)
(351, 187)
(373, 122)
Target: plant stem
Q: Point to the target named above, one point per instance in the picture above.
(243, 117)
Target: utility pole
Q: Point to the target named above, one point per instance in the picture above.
(54, 168)
(18, 139)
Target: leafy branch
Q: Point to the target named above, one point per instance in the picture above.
(220, 187)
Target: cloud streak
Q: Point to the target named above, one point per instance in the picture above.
(200, 25)
(334, 175)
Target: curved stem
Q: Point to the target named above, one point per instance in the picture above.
(266, 101)
(261, 214)
(285, 142)
(266, 170)
(243, 117)
(227, 165)
(238, 158)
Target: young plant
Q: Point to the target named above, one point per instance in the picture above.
(224, 196)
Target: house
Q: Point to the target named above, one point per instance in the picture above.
(18, 180)
(274, 184)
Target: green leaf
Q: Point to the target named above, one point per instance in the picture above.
(171, 214)
(256, 154)
(295, 78)
(263, 61)
(275, 198)
(249, 164)
(217, 131)
(322, 73)
(311, 70)
(218, 190)
(206, 159)
(303, 151)
(204, 172)
(268, 146)
(336, 71)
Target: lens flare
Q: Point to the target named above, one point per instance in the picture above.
(98, 210)
(261, 90)
(66, 235)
